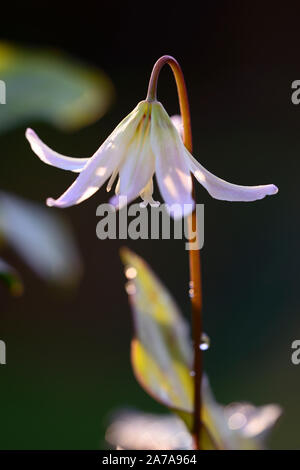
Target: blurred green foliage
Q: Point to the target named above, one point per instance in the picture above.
(47, 86)
(43, 239)
(161, 355)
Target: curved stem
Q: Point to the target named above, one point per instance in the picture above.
(182, 94)
(194, 255)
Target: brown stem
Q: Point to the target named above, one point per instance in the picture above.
(194, 255)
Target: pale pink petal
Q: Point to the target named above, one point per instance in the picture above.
(220, 189)
(49, 156)
(137, 169)
(102, 164)
(178, 124)
(171, 167)
(135, 173)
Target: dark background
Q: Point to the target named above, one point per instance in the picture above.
(68, 353)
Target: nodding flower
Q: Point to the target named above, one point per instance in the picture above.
(145, 143)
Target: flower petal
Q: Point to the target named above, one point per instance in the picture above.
(220, 189)
(172, 169)
(135, 173)
(137, 168)
(178, 124)
(49, 156)
(102, 163)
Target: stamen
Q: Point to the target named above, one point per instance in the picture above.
(117, 190)
(112, 180)
(146, 195)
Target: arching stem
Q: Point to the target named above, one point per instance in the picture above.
(194, 255)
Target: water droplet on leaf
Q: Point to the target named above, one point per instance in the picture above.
(130, 272)
(130, 288)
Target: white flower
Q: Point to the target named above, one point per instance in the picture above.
(144, 143)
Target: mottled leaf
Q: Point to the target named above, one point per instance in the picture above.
(49, 86)
(161, 355)
(135, 430)
(161, 350)
(40, 237)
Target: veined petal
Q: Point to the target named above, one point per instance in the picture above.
(171, 167)
(135, 173)
(220, 189)
(178, 124)
(138, 167)
(102, 163)
(49, 156)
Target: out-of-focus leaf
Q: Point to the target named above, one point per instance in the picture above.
(10, 277)
(134, 430)
(238, 426)
(161, 351)
(41, 238)
(161, 357)
(48, 86)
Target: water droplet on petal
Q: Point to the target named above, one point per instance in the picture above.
(130, 288)
(205, 342)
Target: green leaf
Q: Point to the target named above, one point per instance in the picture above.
(161, 355)
(10, 277)
(49, 86)
(41, 238)
(161, 350)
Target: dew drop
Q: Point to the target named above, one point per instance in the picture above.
(130, 272)
(130, 288)
(205, 342)
(191, 293)
(191, 289)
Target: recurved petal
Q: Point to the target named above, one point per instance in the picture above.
(101, 164)
(171, 166)
(49, 156)
(221, 189)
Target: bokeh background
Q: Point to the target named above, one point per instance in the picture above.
(68, 361)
